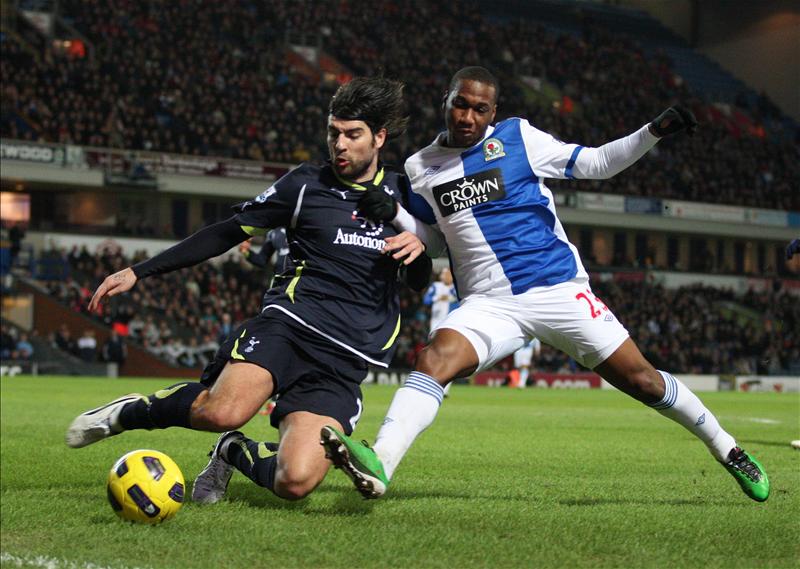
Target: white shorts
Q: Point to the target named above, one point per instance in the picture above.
(568, 316)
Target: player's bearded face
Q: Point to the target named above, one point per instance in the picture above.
(353, 149)
(469, 109)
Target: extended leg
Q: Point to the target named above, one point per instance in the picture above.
(627, 370)
(234, 398)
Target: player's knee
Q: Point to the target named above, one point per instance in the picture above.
(218, 417)
(294, 483)
(434, 362)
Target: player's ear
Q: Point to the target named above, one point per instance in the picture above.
(444, 99)
(380, 138)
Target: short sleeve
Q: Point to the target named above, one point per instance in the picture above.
(548, 156)
(273, 207)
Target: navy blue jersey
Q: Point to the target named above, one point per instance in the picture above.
(342, 286)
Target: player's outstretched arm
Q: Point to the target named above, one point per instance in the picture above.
(613, 157)
(204, 244)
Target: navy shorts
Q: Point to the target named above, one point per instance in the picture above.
(310, 372)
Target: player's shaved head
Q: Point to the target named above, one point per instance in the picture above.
(375, 100)
(475, 73)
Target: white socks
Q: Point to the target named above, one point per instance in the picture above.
(413, 409)
(683, 407)
(524, 373)
(417, 402)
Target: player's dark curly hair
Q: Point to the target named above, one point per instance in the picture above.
(475, 73)
(375, 100)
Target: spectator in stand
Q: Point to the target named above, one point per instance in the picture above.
(225, 328)
(191, 354)
(173, 350)
(8, 342)
(16, 234)
(87, 346)
(115, 350)
(24, 347)
(121, 319)
(63, 340)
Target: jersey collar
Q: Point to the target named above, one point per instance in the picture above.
(360, 186)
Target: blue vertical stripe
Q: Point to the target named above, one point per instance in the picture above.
(520, 228)
(571, 162)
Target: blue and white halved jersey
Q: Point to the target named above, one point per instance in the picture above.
(495, 212)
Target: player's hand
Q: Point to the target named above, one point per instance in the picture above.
(406, 246)
(376, 205)
(674, 120)
(793, 248)
(244, 247)
(115, 284)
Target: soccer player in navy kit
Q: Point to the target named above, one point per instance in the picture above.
(275, 242)
(317, 330)
(517, 275)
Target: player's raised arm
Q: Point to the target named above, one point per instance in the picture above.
(209, 242)
(551, 158)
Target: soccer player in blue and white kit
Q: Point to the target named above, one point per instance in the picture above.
(482, 188)
(442, 298)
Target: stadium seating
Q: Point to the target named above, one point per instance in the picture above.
(692, 329)
(221, 85)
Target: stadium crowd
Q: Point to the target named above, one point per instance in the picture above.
(219, 83)
(184, 316)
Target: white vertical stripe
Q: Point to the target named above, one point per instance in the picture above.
(296, 213)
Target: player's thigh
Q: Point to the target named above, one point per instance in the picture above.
(490, 327)
(301, 459)
(571, 318)
(240, 391)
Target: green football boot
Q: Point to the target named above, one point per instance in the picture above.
(357, 460)
(749, 473)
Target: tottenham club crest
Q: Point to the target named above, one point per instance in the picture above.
(492, 149)
(370, 228)
(253, 342)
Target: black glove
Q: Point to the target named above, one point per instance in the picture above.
(418, 273)
(793, 248)
(376, 205)
(674, 120)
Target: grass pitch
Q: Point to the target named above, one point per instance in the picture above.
(504, 478)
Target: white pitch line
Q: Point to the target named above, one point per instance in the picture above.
(761, 420)
(44, 562)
